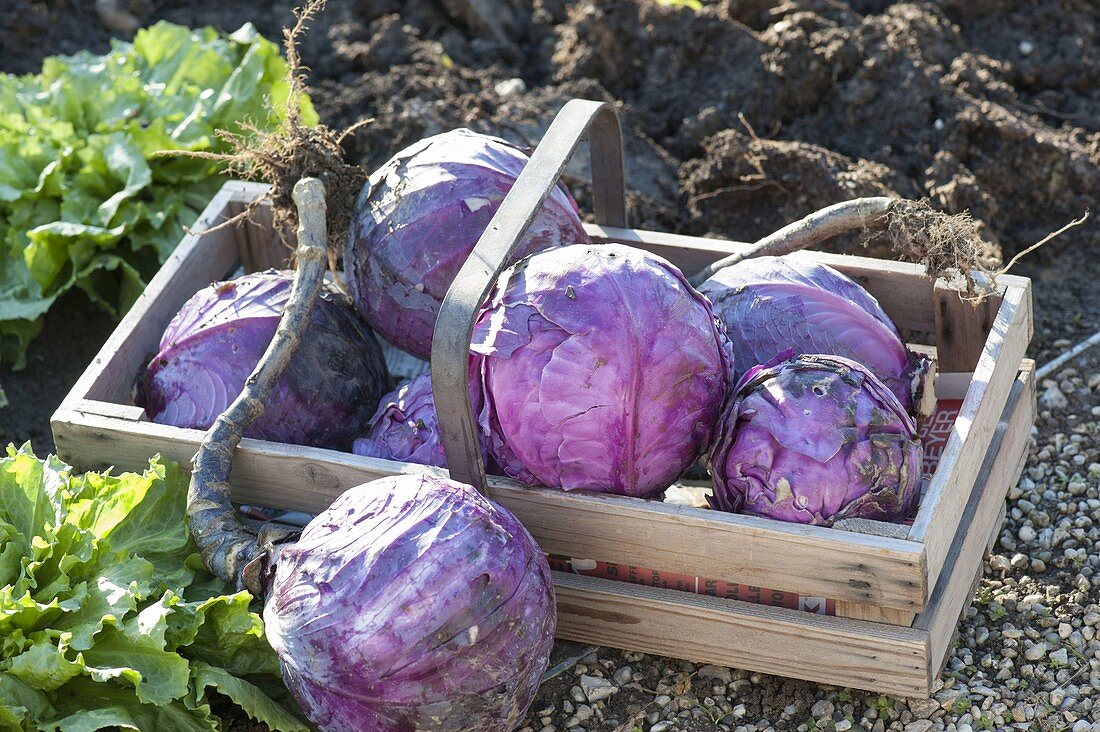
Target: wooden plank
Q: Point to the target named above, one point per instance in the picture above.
(809, 560)
(942, 507)
(936, 669)
(244, 191)
(110, 409)
(198, 260)
(902, 288)
(981, 516)
(873, 613)
(772, 640)
(961, 327)
(258, 245)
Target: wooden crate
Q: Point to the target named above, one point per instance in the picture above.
(898, 590)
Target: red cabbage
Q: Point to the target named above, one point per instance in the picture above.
(814, 439)
(773, 304)
(602, 369)
(324, 399)
(405, 427)
(412, 603)
(419, 217)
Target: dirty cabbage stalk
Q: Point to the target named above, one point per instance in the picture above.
(413, 602)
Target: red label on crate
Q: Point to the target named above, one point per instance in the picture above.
(687, 583)
(933, 433)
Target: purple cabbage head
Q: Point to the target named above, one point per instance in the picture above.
(412, 603)
(770, 305)
(602, 369)
(405, 427)
(419, 217)
(814, 439)
(325, 397)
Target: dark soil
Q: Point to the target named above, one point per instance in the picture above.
(737, 119)
(72, 335)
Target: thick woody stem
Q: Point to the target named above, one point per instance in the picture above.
(857, 215)
(228, 549)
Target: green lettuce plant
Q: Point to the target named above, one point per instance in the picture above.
(108, 618)
(85, 200)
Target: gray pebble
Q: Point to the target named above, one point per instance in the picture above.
(1035, 652)
(1053, 398)
(509, 88)
(923, 708)
(595, 688)
(717, 673)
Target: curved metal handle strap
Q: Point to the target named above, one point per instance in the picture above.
(455, 323)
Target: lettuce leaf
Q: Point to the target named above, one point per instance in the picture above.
(108, 619)
(85, 201)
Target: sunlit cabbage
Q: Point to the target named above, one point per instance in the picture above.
(814, 439)
(770, 305)
(602, 370)
(405, 427)
(325, 397)
(412, 603)
(419, 217)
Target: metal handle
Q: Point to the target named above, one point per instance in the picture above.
(454, 325)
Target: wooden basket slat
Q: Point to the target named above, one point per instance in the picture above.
(982, 512)
(943, 503)
(961, 327)
(743, 635)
